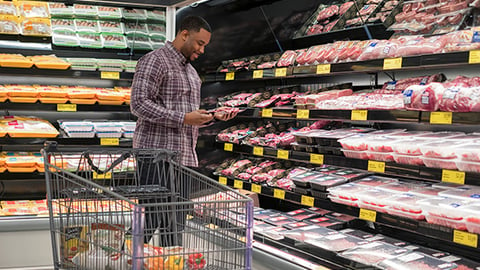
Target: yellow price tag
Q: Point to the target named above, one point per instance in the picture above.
(258, 151)
(67, 107)
(307, 200)
(267, 113)
(282, 154)
(474, 57)
(368, 215)
(392, 63)
(441, 118)
(230, 76)
(453, 177)
(222, 180)
(258, 74)
(279, 194)
(256, 188)
(465, 238)
(109, 141)
(316, 159)
(323, 69)
(228, 147)
(303, 114)
(110, 75)
(238, 184)
(376, 166)
(280, 72)
(359, 115)
(107, 175)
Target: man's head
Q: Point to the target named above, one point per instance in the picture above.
(193, 35)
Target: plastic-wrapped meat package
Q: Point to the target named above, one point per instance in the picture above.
(239, 165)
(408, 160)
(284, 183)
(448, 103)
(445, 149)
(244, 176)
(402, 187)
(311, 55)
(464, 193)
(416, 261)
(344, 7)
(469, 152)
(428, 191)
(310, 232)
(323, 52)
(373, 253)
(261, 177)
(375, 181)
(327, 13)
(346, 193)
(336, 242)
(406, 205)
(423, 98)
(287, 59)
(472, 217)
(467, 100)
(409, 146)
(381, 144)
(375, 199)
(444, 211)
(379, 49)
(422, 45)
(356, 143)
(400, 85)
(460, 41)
(329, 26)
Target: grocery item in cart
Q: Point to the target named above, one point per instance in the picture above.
(336, 242)
(74, 240)
(416, 261)
(373, 253)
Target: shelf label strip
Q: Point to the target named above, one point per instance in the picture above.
(66, 107)
(258, 74)
(359, 115)
(279, 194)
(107, 175)
(267, 113)
(453, 177)
(392, 63)
(238, 184)
(230, 76)
(307, 200)
(256, 188)
(228, 147)
(376, 166)
(303, 114)
(258, 151)
(280, 72)
(110, 75)
(282, 154)
(323, 69)
(441, 118)
(316, 159)
(222, 180)
(109, 141)
(465, 238)
(368, 215)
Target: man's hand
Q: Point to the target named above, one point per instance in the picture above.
(225, 113)
(197, 118)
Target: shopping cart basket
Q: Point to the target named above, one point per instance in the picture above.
(140, 209)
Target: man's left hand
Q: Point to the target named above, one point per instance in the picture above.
(225, 113)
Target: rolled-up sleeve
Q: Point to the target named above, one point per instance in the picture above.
(146, 81)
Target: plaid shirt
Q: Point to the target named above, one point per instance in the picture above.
(166, 87)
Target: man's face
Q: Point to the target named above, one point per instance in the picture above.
(195, 43)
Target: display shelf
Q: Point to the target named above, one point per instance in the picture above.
(68, 73)
(85, 142)
(444, 60)
(21, 176)
(389, 168)
(54, 107)
(466, 240)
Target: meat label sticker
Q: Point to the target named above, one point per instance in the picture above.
(228, 147)
(110, 75)
(359, 115)
(279, 194)
(441, 118)
(466, 239)
(238, 184)
(474, 57)
(280, 72)
(368, 215)
(392, 63)
(107, 175)
(455, 177)
(258, 151)
(307, 200)
(66, 107)
(230, 76)
(376, 166)
(316, 159)
(222, 180)
(256, 188)
(109, 141)
(282, 154)
(267, 113)
(303, 114)
(323, 69)
(258, 74)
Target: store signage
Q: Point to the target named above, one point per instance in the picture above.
(230, 76)
(368, 215)
(392, 63)
(268, 113)
(376, 166)
(228, 147)
(323, 69)
(256, 188)
(465, 238)
(66, 107)
(109, 141)
(453, 177)
(303, 114)
(307, 200)
(316, 159)
(359, 115)
(222, 180)
(258, 151)
(441, 118)
(279, 194)
(474, 57)
(107, 175)
(258, 74)
(238, 184)
(280, 72)
(282, 154)
(110, 75)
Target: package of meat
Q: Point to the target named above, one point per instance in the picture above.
(287, 59)
(379, 49)
(428, 191)
(375, 181)
(423, 98)
(309, 232)
(374, 199)
(472, 217)
(406, 205)
(444, 149)
(279, 220)
(416, 261)
(326, 222)
(400, 85)
(336, 242)
(301, 214)
(444, 211)
(469, 152)
(409, 146)
(465, 193)
(346, 193)
(373, 253)
(380, 156)
(324, 182)
(440, 163)
(357, 233)
(414, 160)
(265, 214)
(327, 12)
(261, 177)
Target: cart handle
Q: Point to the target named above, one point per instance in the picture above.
(123, 157)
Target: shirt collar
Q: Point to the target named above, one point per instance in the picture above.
(177, 55)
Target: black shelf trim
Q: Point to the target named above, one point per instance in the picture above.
(68, 73)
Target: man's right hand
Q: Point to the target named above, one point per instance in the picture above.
(197, 118)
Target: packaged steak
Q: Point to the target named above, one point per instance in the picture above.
(346, 193)
(416, 261)
(323, 182)
(357, 233)
(265, 214)
(279, 220)
(444, 149)
(301, 214)
(468, 193)
(375, 181)
(310, 232)
(336, 242)
(471, 215)
(406, 205)
(296, 225)
(444, 211)
(373, 253)
(402, 186)
(326, 222)
(428, 191)
(374, 199)
(469, 152)
(318, 211)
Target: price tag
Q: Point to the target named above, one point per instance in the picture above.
(258, 151)
(453, 177)
(376, 166)
(268, 113)
(258, 74)
(303, 114)
(222, 180)
(279, 194)
(107, 175)
(323, 69)
(228, 147)
(238, 184)
(307, 200)
(282, 154)
(66, 107)
(359, 115)
(392, 63)
(316, 159)
(441, 118)
(230, 76)
(280, 72)
(465, 238)
(109, 141)
(256, 188)
(474, 57)
(110, 75)
(369, 215)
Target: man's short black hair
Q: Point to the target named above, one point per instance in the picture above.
(194, 23)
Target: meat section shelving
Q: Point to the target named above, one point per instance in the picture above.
(69, 73)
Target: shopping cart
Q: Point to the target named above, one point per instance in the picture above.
(140, 209)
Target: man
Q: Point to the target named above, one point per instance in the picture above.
(166, 99)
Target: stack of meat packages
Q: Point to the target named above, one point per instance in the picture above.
(327, 17)
(387, 8)
(362, 15)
